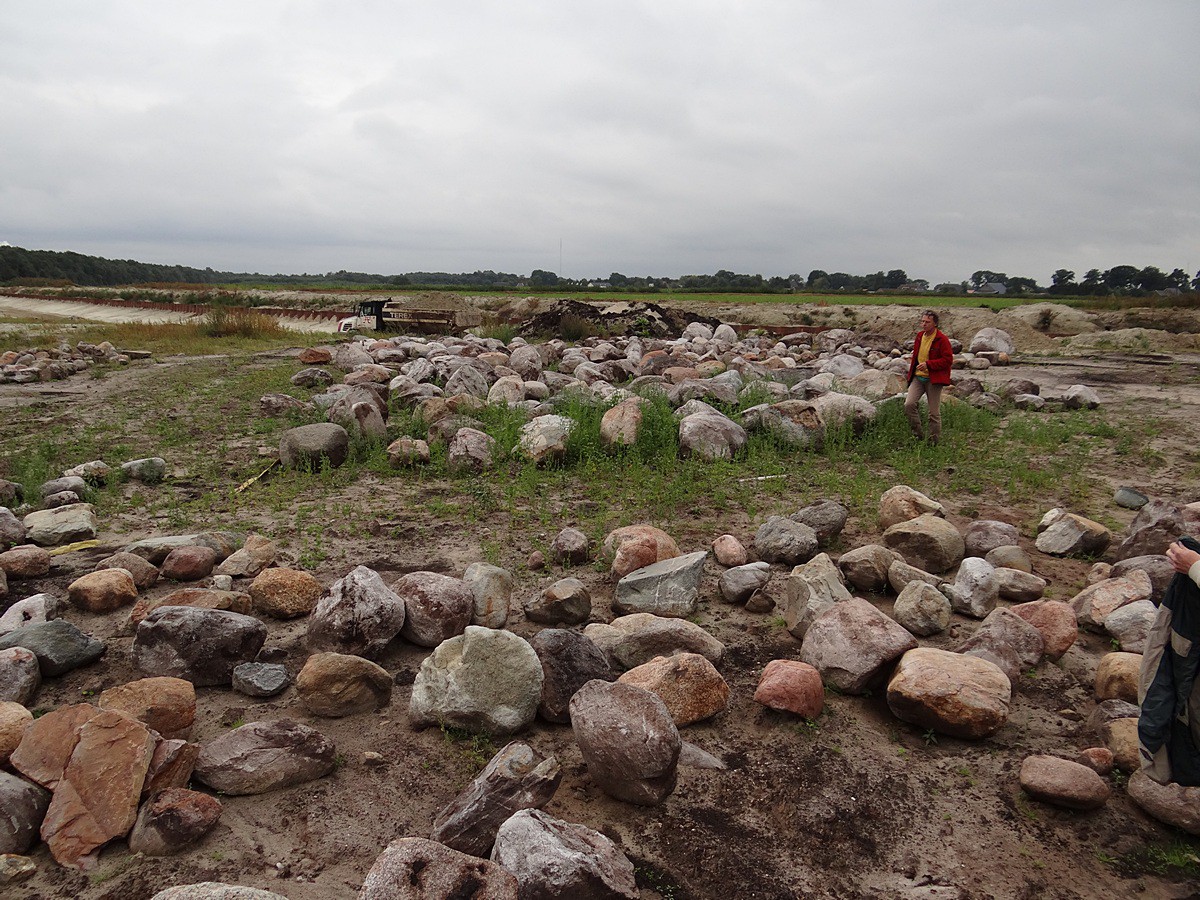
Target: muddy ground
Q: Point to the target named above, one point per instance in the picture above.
(854, 805)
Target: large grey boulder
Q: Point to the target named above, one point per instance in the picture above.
(994, 340)
(515, 779)
(22, 807)
(265, 756)
(866, 567)
(984, 535)
(922, 609)
(1153, 529)
(58, 645)
(470, 450)
(416, 869)
(358, 614)
(483, 680)
(782, 540)
(1005, 627)
(552, 858)
(667, 588)
(544, 439)
(631, 640)
(20, 675)
(311, 446)
(203, 646)
(739, 583)
(852, 644)
(976, 588)
(710, 436)
(1130, 624)
(566, 602)
(793, 422)
(62, 525)
(12, 530)
(826, 517)
(628, 741)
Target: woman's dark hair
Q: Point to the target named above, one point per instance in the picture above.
(932, 315)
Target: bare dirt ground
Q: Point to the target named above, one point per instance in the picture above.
(854, 805)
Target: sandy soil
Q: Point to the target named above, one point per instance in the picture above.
(861, 805)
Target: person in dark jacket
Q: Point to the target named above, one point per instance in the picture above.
(1168, 689)
(928, 373)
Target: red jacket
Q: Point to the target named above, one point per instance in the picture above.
(941, 358)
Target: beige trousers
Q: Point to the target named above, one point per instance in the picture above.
(933, 395)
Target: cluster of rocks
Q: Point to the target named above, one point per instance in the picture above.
(627, 685)
(24, 366)
(804, 383)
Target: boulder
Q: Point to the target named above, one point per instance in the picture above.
(544, 439)
(1004, 627)
(358, 614)
(782, 540)
(492, 588)
(1157, 524)
(251, 559)
(928, 542)
(1063, 782)
(31, 611)
(688, 684)
(1156, 566)
(63, 525)
(961, 696)
(149, 470)
(284, 593)
(992, 340)
(515, 779)
(14, 718)
(470, 451)
(144, 574)
(739, 583)
(255, 679)
(1056, 622)
(200, 598)
(710, 436)
(552, 858)
(337, 684)
(12, 530)
(58, 645)
(728, 551)
(201, 645)
(922, 609)
(826, 517)
(852, 644)
(1117, 676)
(570, 547)
(902, 503)
(791, 686)
(975, 589)
(1011, 557)
(637, 546)
(628, 740)
(482, 680)
(619, 426)
(566, 602)
(103, 591)
(1061, 533)
(631, 640)
(265, 756)
(312, 446)
(1095, 603)
(20, 675)
(437, 607)
(569, 661)
(984, 535)
(1173, 804)
(1080, 396)
(25, 561)
(22, 808)
(415, 869)
(172, 820)
(866, 567)
(1016, 586)
(1130, 625)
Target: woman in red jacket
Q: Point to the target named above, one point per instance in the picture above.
(928, 373)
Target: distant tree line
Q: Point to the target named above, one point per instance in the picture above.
(21, 266)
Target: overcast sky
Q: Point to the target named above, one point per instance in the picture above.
(661, 137)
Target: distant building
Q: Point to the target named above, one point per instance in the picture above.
(992, 287)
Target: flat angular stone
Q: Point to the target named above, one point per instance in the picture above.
(265, 756)
(669, 588)
(515, 779)
(167, 705)
(48, 742)
(87, 812)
